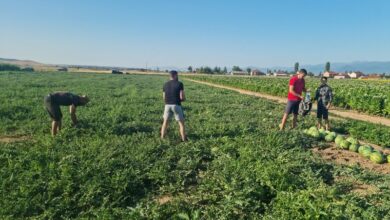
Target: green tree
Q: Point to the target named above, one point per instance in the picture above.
(327, 66)
(10, 67)
(296, 67)
(205, 70)
(249, 70)
(189, 69)
(224, 70)
(236, 68)
(217, 70)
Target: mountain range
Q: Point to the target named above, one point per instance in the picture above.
(363, 66)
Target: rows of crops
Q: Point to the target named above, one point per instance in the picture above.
(235, 165)
(372, 97)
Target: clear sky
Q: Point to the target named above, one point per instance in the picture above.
(180, 33)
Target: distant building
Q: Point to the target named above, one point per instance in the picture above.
(239, 73)
(257, 73)
(355, 75)
(342, 76)
(330, 74)
(280, 74)
(372, 76)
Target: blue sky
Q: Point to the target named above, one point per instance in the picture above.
(177, 33)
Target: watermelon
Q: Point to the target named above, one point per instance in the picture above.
(338, 139)
(315, 134)
(352, 140)
(366, 152)
(333, 134)
(377, 157)
(329, 138)
(321, 130)
(305, 131)
(354, 147)
(322, 135)
(388, 158)
(361, 148)
(344, 144)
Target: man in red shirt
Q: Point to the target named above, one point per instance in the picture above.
(296, 87)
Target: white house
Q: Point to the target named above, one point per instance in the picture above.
(257, 73)
(280, 74)
(355, 75)
(342, 76)
(329, 74)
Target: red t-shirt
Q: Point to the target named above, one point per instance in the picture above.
(299, 85)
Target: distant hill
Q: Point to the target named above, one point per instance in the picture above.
(363, 66)
(22, 63)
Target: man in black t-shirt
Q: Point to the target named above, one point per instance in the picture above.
(173, 95)
(53, 102)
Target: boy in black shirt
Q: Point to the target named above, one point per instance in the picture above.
(173, 95)
(324, 97)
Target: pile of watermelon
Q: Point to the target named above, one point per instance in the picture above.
(348, 143)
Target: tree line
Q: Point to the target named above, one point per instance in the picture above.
(12, 67)
(215, 70)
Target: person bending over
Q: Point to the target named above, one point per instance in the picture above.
(53, 102)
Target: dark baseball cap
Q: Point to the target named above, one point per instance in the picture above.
(173, 73)
(303, 71)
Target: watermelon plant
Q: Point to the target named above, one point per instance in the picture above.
(236, 164)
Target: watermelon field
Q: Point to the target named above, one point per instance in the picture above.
(369, 96)
(236, 164)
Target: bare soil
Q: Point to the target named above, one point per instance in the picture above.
(358, 187)
(164, 199)
(338, 112)
(349, 158)
(10, 139)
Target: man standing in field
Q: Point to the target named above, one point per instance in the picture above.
(296, 87)
(324, 97)
(53, 102)
(173, 95)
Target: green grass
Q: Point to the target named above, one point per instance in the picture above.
(235, 166)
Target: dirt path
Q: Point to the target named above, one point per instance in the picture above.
(338, 112)
(10, 139)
